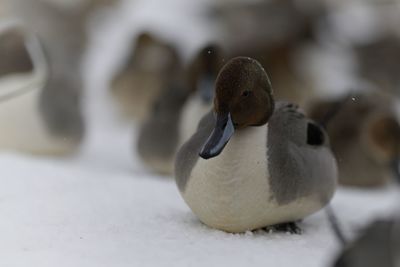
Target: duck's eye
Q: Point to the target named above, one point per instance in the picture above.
(246, 93)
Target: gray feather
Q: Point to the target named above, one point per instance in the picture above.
(298, 169)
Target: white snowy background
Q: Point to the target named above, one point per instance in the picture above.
(101, 207)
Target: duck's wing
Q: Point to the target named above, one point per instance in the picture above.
(188, 154)
(299, 157)
(290, 123)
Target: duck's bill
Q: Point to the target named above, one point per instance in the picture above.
(396, 170)
(219, 137)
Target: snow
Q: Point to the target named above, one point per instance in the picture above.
(101, 207)
(60, 213)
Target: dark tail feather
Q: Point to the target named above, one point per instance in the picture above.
(334, 223)
(330, 213)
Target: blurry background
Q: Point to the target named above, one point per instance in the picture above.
(84, 180)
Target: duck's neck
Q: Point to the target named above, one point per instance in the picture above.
(246, 144)
(244, 156)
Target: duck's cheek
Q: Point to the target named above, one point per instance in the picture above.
(238, 123)
(246, 119)
(240, 115)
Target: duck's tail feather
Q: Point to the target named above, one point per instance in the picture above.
(335, 225)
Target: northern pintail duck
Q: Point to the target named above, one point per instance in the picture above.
(201, 75)
(23, 76)
(253, 163)
(377, 245)
(61, 28)
(365, 136)
(149, 67)
(177, 111)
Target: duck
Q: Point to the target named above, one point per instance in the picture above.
(254, 163)
(24, 74)
(176, 112)
(159, 135)
(377, 245)
(142, 78)
(61, 28)
(364, 134)
(201, 75)
(59, 102)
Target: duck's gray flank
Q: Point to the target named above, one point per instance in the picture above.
(290, 157)
(189, 153)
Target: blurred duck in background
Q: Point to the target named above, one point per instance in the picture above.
(149, 68)
(23, 74)
(377, 245)
(201, 75)
(159, 135)
(177, 111)
(365, 136)
(359, 49)
(356, 46)
(57, 126)
(271, 32)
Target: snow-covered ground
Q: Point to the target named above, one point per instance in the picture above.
(103, 212)
(101, 207)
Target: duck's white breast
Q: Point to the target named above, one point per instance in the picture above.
(231, 192)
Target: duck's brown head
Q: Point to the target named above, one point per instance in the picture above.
(243, 98)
